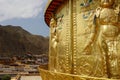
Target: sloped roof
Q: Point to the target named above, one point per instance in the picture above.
(51, 8)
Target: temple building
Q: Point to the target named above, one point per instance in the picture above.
(84, 40)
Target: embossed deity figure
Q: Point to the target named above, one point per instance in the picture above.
(109, 29)
(54, 40)
(53, 26)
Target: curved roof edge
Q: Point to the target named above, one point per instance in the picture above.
(50, 9)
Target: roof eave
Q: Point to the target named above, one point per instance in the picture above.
(51, 7)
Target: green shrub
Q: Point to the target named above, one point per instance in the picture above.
(6, 77)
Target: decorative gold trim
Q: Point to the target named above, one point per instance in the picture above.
(68, 37)
(49, 75)
(74, 36)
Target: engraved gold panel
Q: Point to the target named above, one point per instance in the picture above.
(90, 65)
(90, 41)
(85, 41)
(62, 54)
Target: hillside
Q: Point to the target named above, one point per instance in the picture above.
(16, 41)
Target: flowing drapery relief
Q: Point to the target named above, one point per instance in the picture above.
(100, 53)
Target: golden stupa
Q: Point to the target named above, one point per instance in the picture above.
(84, 40)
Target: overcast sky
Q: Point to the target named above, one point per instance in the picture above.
(29, 14)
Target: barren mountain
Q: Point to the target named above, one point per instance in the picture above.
(16, 41)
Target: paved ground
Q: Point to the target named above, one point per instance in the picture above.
(30, 78)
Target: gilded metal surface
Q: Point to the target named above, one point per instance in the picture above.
(74, 37)
(60, 51)
(53, 45)
(48, 75)
(108, 36)
(89, 62)
(85, 40)
(98, 48)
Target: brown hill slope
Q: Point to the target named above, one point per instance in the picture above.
(16, 41)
